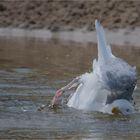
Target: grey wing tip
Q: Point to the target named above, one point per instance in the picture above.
(97, 23)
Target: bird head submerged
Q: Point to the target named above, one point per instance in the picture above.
(121, 107)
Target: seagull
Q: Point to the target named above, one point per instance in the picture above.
(108, 88)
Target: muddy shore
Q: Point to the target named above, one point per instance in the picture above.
(61, 15)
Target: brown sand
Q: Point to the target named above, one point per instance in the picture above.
(69, 14)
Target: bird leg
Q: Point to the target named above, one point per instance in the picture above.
(72, 85)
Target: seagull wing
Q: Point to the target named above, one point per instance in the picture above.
(104, 51)
(120, 79)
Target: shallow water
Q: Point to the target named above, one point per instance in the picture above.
(30, 72)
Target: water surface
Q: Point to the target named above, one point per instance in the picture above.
(31, 70)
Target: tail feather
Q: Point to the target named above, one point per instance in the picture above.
(104, 50)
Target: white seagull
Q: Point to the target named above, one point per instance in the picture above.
(108, 88)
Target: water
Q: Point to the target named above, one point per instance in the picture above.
(32, 69)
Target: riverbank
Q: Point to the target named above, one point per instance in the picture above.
(60, 15)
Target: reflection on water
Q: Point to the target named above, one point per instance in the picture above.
(30, 72)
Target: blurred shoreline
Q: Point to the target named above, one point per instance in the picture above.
(71, 20)
(68, 15)
(120, 37)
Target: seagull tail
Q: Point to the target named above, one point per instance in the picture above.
(104, 50)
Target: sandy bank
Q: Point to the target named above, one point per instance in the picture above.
(69, 14)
